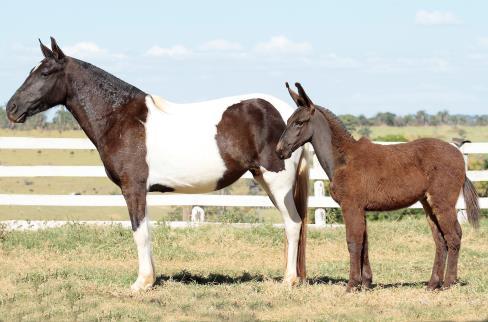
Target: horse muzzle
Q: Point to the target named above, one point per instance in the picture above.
(13, 113)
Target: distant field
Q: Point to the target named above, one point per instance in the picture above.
(223, 273)
(445, 132)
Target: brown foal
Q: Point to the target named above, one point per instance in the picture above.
(371, 177)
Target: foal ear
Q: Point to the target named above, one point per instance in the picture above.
(296, 98)
(46, 51)
(56, 50)
(304, 96)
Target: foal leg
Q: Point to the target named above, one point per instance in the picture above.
(452, 233)
(355, 233)
(366, 272)
(279, 187)
(437, 276)
(135, 197)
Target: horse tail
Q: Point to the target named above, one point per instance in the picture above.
(300, 196)
(471, 202)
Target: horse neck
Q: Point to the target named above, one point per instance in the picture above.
(331, 140)
(94, 96)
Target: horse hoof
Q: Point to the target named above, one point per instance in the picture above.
(367, 284)
(352, 286)
(433, 286)
(448, 284)
(292, 281)
(143, 283)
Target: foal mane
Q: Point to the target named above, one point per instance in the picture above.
(335, 122)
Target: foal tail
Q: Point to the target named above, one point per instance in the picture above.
(300, 196)
(472, 203)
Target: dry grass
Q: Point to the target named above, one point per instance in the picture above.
(219, 273)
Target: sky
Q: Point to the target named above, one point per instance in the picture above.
(357, 57)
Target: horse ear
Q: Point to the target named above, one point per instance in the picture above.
(296, 98)
(304, 96)
(56, 50)
(46, 51)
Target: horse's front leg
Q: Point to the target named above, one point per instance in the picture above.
(366, 272)
(135, 196)
(355, 230)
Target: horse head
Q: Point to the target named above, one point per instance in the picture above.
(44, 87)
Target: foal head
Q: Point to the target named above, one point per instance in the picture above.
(44, 87)
(299, 129)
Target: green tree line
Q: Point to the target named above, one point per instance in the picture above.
(63, 120)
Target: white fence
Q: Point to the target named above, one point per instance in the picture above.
(318, 200)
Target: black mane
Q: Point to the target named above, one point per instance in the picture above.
(115, 91)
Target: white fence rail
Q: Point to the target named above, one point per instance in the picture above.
(20, 143)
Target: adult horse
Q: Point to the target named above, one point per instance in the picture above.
(366, 176)
(149, 144)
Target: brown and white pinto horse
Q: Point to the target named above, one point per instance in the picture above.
(366, 176)
(149, 144)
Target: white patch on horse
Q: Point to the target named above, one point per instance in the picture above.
(182, 151)
(146, 278)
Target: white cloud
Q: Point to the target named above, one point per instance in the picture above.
(221, 44)
(282, 45)
(176, 51)
(483, 42)
(85, 50)
(430, 18)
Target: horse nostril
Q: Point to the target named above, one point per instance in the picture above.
(14, 107)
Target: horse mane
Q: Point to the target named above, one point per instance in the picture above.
(335, 122)
(116, 91)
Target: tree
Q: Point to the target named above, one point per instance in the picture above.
(365, 131)
(350, 122)
(64, 120)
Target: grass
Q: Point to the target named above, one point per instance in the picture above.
(221, 273)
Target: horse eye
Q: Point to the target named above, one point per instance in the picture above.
(44, 74)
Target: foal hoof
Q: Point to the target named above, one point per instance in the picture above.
(143, 283)
(433, 286)
(353, 286)
(448, 284)
(366, 285)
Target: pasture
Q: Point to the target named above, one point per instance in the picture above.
(213, 273)
(223, 273)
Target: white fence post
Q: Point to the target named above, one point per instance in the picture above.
(319, 191)
(197, 214)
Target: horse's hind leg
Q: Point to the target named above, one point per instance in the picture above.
(135, 196)
(452, 233)
(440, 249)
(279, 186)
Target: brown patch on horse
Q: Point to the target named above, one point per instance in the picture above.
(246, 136)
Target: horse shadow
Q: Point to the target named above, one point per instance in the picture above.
(186, 277)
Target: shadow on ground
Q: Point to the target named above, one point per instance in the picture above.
(186, 277)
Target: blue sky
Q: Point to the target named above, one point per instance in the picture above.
(358, 57)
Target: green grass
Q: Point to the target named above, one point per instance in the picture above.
(221, 273)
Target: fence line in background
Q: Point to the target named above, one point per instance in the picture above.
(319, 200)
